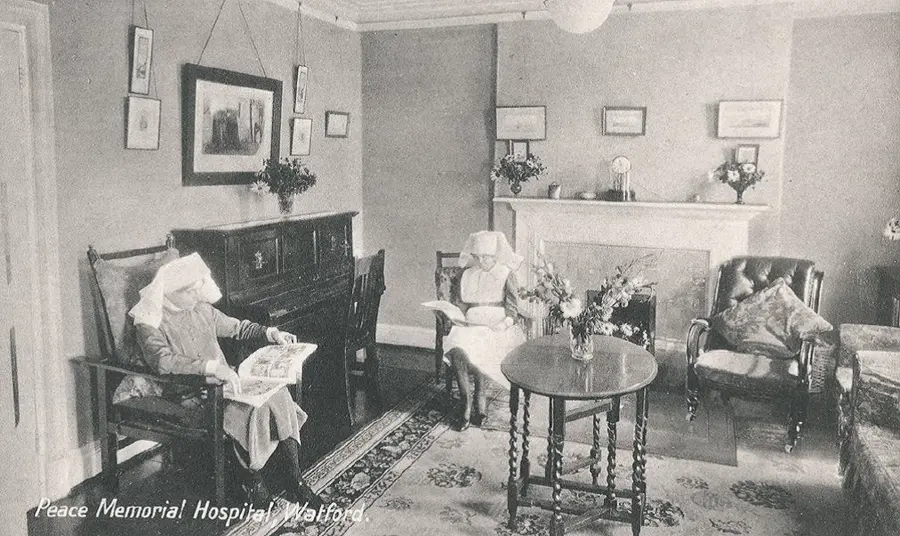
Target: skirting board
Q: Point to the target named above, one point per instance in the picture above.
(83, 463)
(414, 336)
(419, 337)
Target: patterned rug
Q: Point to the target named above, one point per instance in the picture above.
(710, 437)
(408, 474)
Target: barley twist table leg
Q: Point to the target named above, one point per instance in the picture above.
(639, 482)
(612, 421)
(558, 412)
(595, 449)
(512, 492)
(526, 462)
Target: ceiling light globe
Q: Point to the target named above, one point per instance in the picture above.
(579, 16)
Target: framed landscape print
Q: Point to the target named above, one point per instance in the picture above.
(141, 58)
(142, 120)
(624, 121)
(521, 123)
(301, 133)
(749, 119)
(231, 122)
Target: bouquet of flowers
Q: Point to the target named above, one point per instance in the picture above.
(284, 178)
(565, 309)
(515, 170)
(739, 176)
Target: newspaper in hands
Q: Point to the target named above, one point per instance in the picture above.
(453, 312)
(268, 369)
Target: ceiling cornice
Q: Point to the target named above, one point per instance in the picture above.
(384, 15)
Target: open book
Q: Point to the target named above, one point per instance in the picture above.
(268, 369)
(453, 312)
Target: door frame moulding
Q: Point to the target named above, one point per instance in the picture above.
(47, 363)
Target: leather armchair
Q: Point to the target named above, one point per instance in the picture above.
(766, 378)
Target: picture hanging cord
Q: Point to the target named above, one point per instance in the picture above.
(147, 25)
(246, 30)
(299, 41)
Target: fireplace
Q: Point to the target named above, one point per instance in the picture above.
(588, 239)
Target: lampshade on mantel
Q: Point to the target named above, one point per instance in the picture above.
(578, 16)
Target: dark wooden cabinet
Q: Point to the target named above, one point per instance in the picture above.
(295, 274)
(888, 296)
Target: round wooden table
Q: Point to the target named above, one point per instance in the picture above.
(545, 366)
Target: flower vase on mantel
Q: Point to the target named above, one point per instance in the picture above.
(515, 188)
(581, 346)
(740, 197)
(286, 204)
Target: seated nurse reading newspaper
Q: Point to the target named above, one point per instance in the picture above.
(178, 330)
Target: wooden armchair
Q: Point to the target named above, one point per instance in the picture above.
(133, 402)
(368, 286)
(757, 376)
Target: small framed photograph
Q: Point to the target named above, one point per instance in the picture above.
(141, 58)
(519, 149)
(746, 154)
(142, 120)
(300, 82)
(749, 119)
(301, 134)
(337, 124)
(522, 123)
(624, 120)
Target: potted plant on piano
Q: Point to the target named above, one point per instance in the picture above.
(285, 178)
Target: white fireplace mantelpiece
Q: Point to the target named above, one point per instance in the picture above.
(721, 230)
(716, 211)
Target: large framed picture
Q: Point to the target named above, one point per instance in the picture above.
(142, 120)
(231, 123)
(624, 120)
(521, 122)
(749, 119)
(141, 59)
(301, 134)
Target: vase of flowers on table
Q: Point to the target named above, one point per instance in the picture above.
(568, 312)
(285, 178)
(516, 169)
(740, 176)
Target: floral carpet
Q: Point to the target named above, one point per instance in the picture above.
(407, 473)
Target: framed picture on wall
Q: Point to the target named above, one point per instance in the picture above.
(231, 122)
(301, 134)
(142, 120)
(746, 154)
(624, 120)
(337, 124)
(519, 149)
(521, 123)
(749, 119)
(141, 59)
(300, 81)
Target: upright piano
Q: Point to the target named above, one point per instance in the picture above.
(294, 273)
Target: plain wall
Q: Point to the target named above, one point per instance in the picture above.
(119, 199)
(842, 156)
(679, 65)
(428, 99)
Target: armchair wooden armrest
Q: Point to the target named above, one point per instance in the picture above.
(697, 339)
(187, 380)
(805, 360)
